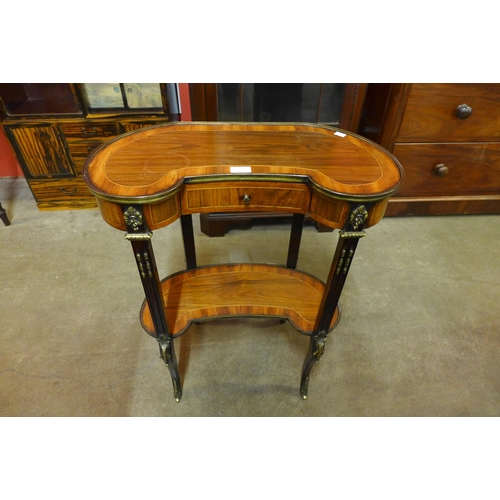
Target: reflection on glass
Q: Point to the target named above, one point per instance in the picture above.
(280, 102)
(131, 96)
(143, 95)
(103, 95)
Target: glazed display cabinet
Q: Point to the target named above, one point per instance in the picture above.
(53, 127)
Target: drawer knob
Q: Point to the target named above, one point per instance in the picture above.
(441, 170)
(88, 133)
(246, 199)
(463, 111)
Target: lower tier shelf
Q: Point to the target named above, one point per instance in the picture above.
(239, 290)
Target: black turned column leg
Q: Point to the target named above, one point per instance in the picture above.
(188, 238)
(342, 259)
(140, 238)
(295, 237)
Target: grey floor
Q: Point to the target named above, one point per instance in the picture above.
(419, 334)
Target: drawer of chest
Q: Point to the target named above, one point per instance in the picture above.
(90, 130)
(60, 189)
(451, 112)
(251, 196)
(80, 151)
(449, 169)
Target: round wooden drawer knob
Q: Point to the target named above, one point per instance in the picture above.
(441, 170)
(463, 111)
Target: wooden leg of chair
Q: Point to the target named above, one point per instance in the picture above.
(3, 216)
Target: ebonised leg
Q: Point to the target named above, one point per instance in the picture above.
(140, 238)
(344, 253)
(145, 260)
(295, 237)
(188, 238)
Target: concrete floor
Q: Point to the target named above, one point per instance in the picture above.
(419, 334)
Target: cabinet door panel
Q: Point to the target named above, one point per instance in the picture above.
(43, 150)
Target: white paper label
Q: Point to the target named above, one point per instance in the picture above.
(340, 134)
(241, 169)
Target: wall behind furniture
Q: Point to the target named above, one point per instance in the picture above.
(9, 167)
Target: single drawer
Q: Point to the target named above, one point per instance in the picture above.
(80, 151)
(90, 130)
(60, 190)
(251, 196)
(449, 169)
(451, 112)
(130, 126)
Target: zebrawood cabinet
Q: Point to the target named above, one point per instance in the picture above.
(54, 127)
(447, 137)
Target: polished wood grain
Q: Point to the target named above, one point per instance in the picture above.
(153, 162)
(156, 215)
(249, 196)
(239, 290)
(331, 213)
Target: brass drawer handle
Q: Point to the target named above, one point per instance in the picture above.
(463, 111)
(246, 199)
(89, 133)
(69, 190)
(441, 170)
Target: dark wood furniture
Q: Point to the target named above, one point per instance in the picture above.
(147, 179)
(53, 127)
(334, 104)
(447, 137)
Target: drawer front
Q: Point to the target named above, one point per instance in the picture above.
(90, 130)
(60, 190)
(449, 169)
(217, 197)
(131, 126)
(431, 113)
(80, 150)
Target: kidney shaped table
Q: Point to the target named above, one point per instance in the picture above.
(149, 178)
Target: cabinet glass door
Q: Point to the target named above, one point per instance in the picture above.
(31, 99)
(280, 102)
(123, 96)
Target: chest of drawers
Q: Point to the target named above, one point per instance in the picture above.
(447, 137)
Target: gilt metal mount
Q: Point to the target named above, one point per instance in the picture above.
(358, 217)
(133, 218)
